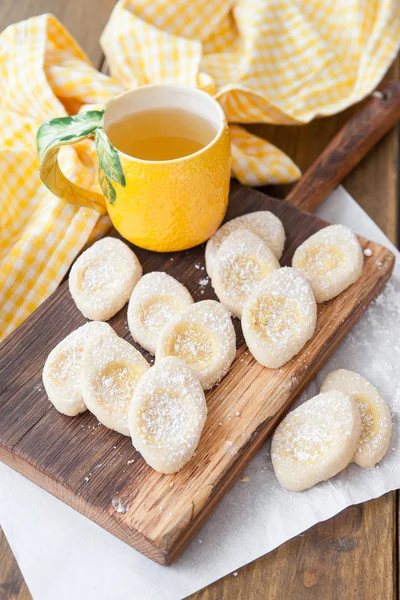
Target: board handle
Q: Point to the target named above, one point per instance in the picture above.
(348, 147)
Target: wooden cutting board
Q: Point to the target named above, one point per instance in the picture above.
(97, 471)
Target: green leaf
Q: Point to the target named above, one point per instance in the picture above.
(108, 158)
(107, 187)
(63, 130)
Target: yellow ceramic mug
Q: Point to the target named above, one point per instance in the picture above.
(159, 205)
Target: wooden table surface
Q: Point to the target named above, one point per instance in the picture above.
(355, 554)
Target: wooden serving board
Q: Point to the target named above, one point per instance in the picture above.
(97, 471)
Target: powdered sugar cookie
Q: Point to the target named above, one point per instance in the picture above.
(203, 336)
(331, 260)
(243, 261)
(376, 422)
(279, 317)
(103, 277)
(62, 370)
(154, 301)
(316, 441)
(263, 223)
(111, 370)
(167, 415)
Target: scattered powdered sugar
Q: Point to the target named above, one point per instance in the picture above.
(120, 506)
(154, 315)
(330, 259)
(203, 336)
(314, 429)
(164, 418)
(65, 360)
(169, 412)
(375, 415)
(262, 223)
(204, 281)
(116, 387)
(280, 317)
(368, 252)
(155, 300)
(395, 403)
(104, 271)
(243, 261)
(229, 447)
(112, 369)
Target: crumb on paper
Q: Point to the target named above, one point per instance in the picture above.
(86, 478)
(171, 484)
(129, 462)
(235, 574)
(367, 252)
(197, 266)
(237, 413)
(245, 479)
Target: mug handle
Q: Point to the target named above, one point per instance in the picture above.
(69, 130)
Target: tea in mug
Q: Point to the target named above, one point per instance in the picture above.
(161, 134)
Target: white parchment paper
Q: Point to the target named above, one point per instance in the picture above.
(63, 555)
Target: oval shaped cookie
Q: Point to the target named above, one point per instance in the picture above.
(203, 336)
(167, 415)
(111, 370)
(103, 277)
(242, 262)
(279, 317)
(376, 421)
(315, 441)
(262, 223)
(331, 260)
(155, 300)
(62, 370)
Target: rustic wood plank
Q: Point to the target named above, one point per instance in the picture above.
(12, 585)
(356, 138)
(87, 468)
(324, 562)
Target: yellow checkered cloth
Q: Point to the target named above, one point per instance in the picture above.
(272, 61)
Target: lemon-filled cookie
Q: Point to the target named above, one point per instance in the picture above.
(263, 223)
(242, 262)
(167, 415)
(155, 300)
(331, 260)
(203, 336)
(103, 277)
(111, 370)
(62, 370)
(376, 421)
(279, 317)
(316, 441)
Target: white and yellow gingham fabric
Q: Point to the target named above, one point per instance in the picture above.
(272, 61)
